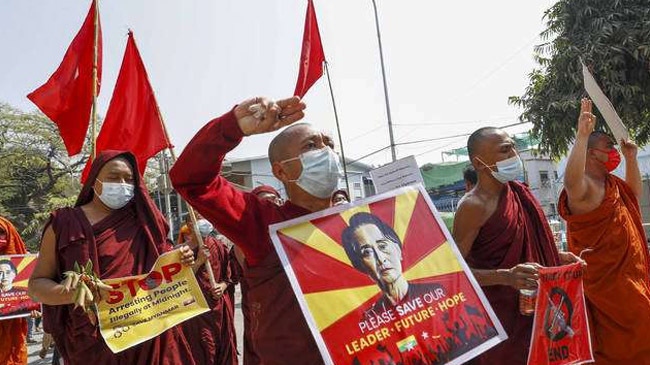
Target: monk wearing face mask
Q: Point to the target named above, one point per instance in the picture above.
(116, 226)
(502, 232)
(604, 223)
(303, 160)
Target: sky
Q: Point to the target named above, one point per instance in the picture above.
(451, 65)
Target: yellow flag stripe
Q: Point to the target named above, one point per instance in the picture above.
(349, 213)
(439, 262)
(308, 234)
(330, 306)
(21, 284)
(404, 206)
(24, 262)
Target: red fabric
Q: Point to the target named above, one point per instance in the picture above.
(250, 356)
(13, 332)
(265, 189)
(279, 330)
(132, 122)
(312, 55)
(212, 334)
(617, 283)
(516, 233)
(125, 243)
(66, 98)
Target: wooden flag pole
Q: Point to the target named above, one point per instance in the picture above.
(338, 129)
(93, 127)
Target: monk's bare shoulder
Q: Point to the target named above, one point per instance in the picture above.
(473, 206)
(591, 200)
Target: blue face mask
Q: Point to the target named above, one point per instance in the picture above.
(321, 171)
(507, 170)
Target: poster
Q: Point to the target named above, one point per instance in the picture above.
(144, 306)
(604, 106)
(381, 282)
(403, 172)
(15, 271)
(561, 327)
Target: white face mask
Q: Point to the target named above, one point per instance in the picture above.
(509, 169)
(205, 227)
(321, 171)
(116, 195)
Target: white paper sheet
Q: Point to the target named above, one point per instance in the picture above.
(604, 106)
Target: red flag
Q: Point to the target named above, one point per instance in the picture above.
(312, 56)
(66, 98)
(133, 122)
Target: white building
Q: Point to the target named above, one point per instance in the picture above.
(255, 171)
(542, 176)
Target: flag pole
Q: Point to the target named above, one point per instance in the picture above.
(93, 127)
(383, 74)
(338, 127)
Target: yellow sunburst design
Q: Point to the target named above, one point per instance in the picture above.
(404, 204)
(308, 234)
(439, 262)
(349, 213)
(329, 306)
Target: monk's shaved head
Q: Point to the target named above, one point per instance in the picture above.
(278, 148)
(599, 139)
(478, 137)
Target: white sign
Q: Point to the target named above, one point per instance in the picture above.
(604, 106)
(403, 172)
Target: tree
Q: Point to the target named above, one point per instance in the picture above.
(36, 175)
(613, 39)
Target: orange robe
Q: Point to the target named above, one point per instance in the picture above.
(617, 283)
(13, 332)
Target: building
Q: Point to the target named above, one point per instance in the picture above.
(541, 175)
(251, 172)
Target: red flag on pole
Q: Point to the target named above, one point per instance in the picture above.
(133, 121)
(66, 98)
(312, 56)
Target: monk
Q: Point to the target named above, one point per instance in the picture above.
(502, 232)
(604, 224)
(303, 160)
(116, 226)
(13, 332)
(212, 334)
(238, 260)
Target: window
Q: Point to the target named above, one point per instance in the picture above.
(555, 175)
(543, 177)
(357, 190)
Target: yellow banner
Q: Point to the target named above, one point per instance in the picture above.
(144, 306)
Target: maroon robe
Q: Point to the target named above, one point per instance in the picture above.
(250, 356)
(212, 334)
(516, 233)
(125, 243)
(279, 330)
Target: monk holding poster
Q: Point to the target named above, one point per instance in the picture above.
(13, 332)
(604, 223)
(502, 232)
(116, 226)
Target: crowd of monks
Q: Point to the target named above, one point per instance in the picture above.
(500, 229)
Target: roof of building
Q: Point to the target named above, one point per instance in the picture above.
(441, 174)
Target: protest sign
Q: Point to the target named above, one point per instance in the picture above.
(381, 281)
(560, 328)
(142, 307)
(604, 106)
(403, 172)
(15, 271)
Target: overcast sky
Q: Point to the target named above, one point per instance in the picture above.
(451, 64)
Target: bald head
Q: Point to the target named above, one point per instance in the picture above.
(600, 140)
(480, 136)
(278, 150)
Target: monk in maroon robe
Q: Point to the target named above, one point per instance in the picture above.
(212, 334)
(502, 232)
(116, 226)
(278, 328)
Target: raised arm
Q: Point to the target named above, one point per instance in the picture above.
(196, 174)
(467, 223)
(632, 172)
(42, 284)
(575, 182)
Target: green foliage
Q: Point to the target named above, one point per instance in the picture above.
(36, 175)
(613, 39)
